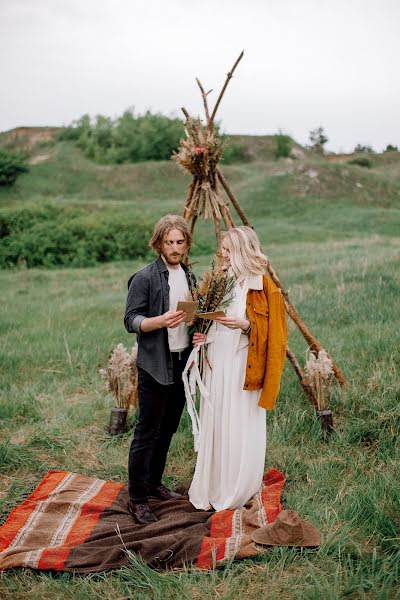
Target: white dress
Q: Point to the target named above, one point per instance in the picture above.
(230, 461)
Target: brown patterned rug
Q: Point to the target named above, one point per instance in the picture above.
(81, 524)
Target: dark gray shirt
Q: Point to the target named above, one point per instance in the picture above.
(148, 296)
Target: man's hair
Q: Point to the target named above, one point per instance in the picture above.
(164, 226)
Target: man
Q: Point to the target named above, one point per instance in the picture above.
(163, 349)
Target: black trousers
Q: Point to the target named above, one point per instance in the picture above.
(160, 410)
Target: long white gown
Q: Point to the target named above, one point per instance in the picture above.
(230, 461)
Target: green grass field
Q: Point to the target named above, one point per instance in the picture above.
(333, 238)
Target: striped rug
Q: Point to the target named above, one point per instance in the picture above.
(80, 524)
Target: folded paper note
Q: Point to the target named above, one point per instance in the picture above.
(190, 307)
(216, 314)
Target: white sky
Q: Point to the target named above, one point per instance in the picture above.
(307, 63)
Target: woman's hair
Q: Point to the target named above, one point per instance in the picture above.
(164, 226)
(246, 253)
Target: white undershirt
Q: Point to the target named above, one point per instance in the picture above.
(178, 338)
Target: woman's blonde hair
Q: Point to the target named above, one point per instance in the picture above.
(164, 226)
(246, 253)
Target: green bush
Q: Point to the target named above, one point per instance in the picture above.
(234, 153)
(50, 236)
(283, 146)
(12, 164)
(129, 138)
(361, 161)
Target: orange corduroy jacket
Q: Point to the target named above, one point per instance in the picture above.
(267, 342)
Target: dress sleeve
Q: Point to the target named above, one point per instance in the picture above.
(276, 350)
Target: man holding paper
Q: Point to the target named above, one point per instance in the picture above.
(163, 349)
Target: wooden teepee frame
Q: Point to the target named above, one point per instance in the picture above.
(204, 198)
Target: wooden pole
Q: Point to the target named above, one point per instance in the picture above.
(191, 189)
(204, 96)
(226, 214)
(294, 315)
(232, 198)
(301, 375)
(227, 80)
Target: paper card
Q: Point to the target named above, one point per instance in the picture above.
(190, 307)
(216, 314)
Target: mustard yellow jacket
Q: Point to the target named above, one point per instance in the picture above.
(267, 343)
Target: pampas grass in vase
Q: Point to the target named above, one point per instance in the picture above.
(319, 369)
(120, 377)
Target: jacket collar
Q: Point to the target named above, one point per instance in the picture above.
(255, 282)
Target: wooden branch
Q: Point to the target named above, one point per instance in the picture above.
(301, 375)
(204, 96)
(185, 112)
(189, 196)
(227, 80)
(217, 224)
(226, 214)
(294, 315)
(232, 198)
(192, 224)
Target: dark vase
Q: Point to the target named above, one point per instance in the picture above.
(117, 420)
(326, 419)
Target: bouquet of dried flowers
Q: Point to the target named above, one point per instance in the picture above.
(199, 154)
(213, 291)
(121, 376)
(319, 371)
(200, 151)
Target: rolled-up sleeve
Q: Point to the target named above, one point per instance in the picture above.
(276, 351)
(137, 303)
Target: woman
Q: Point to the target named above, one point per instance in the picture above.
(246, 350)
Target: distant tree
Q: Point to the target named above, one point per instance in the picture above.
(129, 138)
(318, 140)
(390, 148)
(12, 164)
(361, 161)
(283, 145)
(365, 149)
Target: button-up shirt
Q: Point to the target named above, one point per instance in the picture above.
(148, 296)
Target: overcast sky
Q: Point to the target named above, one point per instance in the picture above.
(307, 63)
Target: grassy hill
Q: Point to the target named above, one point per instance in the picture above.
(331, 230)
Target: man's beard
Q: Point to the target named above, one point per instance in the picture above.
(173, 259)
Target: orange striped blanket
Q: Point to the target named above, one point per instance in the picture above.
(80, 524)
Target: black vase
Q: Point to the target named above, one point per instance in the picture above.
(117, 420)
(326, 419)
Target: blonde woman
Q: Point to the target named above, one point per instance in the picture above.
(246, 351)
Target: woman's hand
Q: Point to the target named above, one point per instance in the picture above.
(198, 338)
(234, 322)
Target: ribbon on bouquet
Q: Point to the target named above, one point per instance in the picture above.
(191, 377)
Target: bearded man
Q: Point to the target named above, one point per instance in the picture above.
(163, 349)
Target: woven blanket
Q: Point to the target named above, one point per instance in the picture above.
(81, 524)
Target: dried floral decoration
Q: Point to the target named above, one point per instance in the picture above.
(320, 371)
(213, 292)
(199, 154)
(121, 376)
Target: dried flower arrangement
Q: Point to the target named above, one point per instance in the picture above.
(199, 154)
(319, 371)
(213, 291)
(121, 376)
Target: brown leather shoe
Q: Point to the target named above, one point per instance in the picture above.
(163, 493)
(142, 513)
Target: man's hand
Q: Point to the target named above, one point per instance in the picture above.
(170, 319)
(234, 323)
(173, 318)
